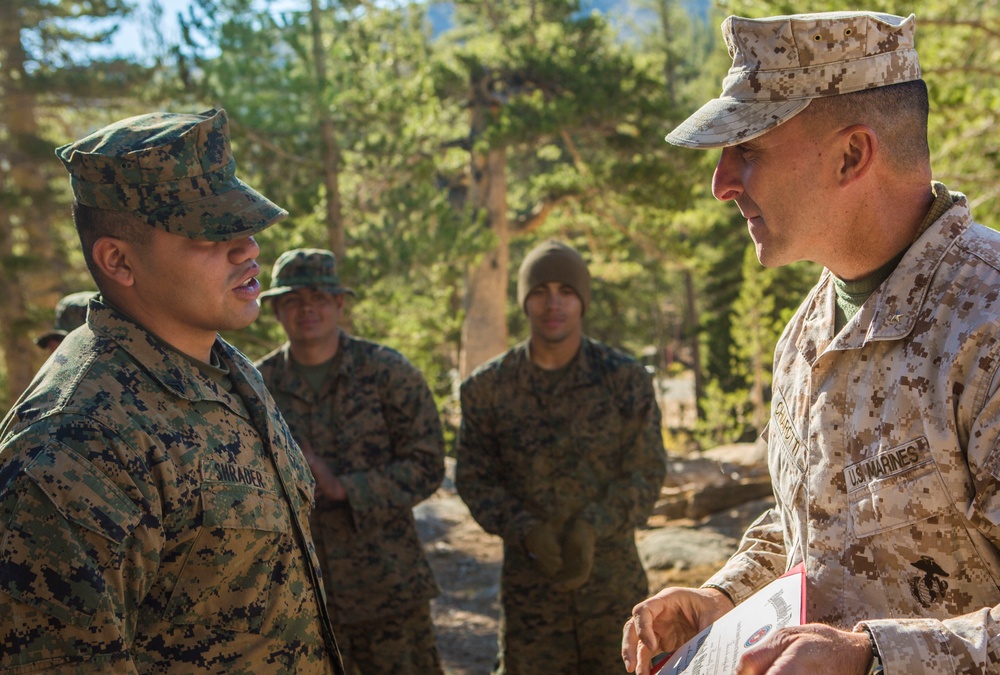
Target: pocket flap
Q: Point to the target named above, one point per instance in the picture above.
(82, 493)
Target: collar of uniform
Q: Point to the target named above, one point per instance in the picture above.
(581, 367)
(899, 299)
(290, 382)
(171, 370)
(893, 309)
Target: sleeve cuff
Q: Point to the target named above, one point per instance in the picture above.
(912, 646)
(739, 579)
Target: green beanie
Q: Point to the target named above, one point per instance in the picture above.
(553, 261)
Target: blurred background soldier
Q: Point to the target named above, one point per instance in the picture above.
(560, 453)
(154, 508)
(71, 313)
(369, 428)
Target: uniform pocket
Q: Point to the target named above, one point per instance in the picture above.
(918, 541)
(69, 524)
(904, 498)
(226, 580)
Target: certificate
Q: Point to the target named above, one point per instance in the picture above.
(717, 649)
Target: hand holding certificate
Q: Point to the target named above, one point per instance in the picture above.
(717, 649)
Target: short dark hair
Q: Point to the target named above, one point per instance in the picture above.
(93, 223)
(897, 113)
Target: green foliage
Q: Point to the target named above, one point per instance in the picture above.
(580, 111)
(52, 87)
(736, 402)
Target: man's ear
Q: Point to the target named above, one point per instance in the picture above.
(860, 147)
(116, 260)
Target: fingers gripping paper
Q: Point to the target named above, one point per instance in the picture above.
(717, 649)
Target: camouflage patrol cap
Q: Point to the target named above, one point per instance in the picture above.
(553, 261)
(175, 171)
(71, 313)
(782, 63)
(305, 268)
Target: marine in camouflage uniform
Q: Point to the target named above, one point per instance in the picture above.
(564, 463)
(153, 504)
(883, 449)
(71, 313)
(883, 439)
(370, 429)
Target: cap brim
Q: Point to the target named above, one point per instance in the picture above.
(238, 212)
(727, 121)
(42, 339)
(281, 290)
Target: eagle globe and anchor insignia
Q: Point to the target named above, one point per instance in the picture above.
(929, 588)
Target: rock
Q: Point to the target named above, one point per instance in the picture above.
(713, 481)
(684, 547)
(733, 522)
(714, 498)
(745, 454)
(697, 471)
(672, 504)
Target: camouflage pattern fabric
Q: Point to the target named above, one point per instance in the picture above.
(176, 172)
(401, 644)
(378, 428)
(590, 447)
(883, 448)
(781, 63)
(305, 268)
(152, 521)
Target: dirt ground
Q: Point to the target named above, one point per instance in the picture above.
(466, 563)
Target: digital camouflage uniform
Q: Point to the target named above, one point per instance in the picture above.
(528, 452)
(884, 449)
(153, 521)
(377, 426)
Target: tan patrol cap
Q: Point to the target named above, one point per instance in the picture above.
(782, 63)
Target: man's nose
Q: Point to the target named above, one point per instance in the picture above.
(243, 249)
(727, 183)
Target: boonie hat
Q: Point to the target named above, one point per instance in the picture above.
(782, 63)
(305, 268)
(553, 261)
(175, 171)
(71, 313)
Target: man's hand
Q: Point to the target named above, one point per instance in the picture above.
(577, 555)
(543, 547)
(327, 484)
(814, 648)
(666, 621)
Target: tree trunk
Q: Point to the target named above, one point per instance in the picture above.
(664, 9)
(695, 346)
(19, 358)
(329, 150)
(23, 215)
(484, 331)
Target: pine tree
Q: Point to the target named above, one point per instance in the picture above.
(48, 84)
